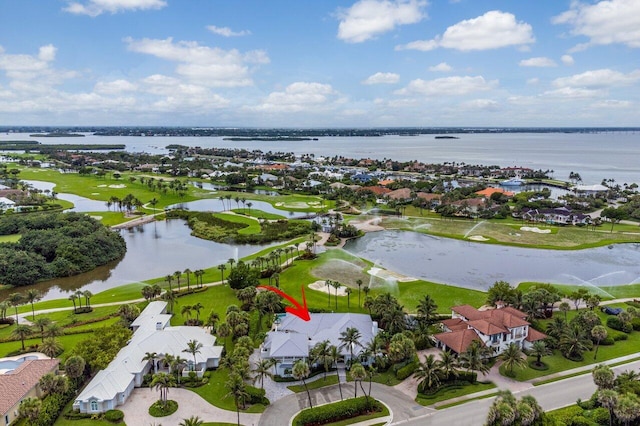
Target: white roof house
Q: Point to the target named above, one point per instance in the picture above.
(292, 339)
(6, 203)
(151, 333)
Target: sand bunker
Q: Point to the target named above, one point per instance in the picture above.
(120, 186)
(322, 286)
(96, 217)
(478, 238)
(102, 186)
(535, 229)
(293, 205)
(389, 275)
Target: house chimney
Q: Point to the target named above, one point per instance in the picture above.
(158, 326)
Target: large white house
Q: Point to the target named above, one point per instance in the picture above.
(494, 328)
(151, 333)
(292, 338)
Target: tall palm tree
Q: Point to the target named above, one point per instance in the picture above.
(237, 390)
(336, 285)
(171, 298)
(22, 331)
(169, 279)
(151, 356)
(188, 273)
(193, 348)
(197, 308)
(358, 374)
(53, 330)
(87, 297)
(512, 357)
(15, 300)
(348, 292)
(222, 268)
(73, 299)
(329, 283)
(473, 359)
(428, 373)
(41, 323)
(359, 284)
(162, 382)
(608, 398)
(599, 333)
(628, 408)
(178, 274)
(334, 355)
(262, 370)
(321, 355)
(231, 261)
(186, 311)
(448, 363)
(427, 310)
(301, 371)
(350, 338)
(32, 296)
(538, 350)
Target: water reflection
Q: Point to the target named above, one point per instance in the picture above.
(153, 250)
(478, 266)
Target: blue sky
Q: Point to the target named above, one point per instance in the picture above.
(320, 63)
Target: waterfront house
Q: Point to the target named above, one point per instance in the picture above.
(494, 328)
(151, 333)
(555, 216)
(22, 383)
(292, 338)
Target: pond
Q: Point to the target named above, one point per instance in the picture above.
(478, 266)
(217, 205)
(153, 250)
(80, 204)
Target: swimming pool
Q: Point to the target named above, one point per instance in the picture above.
(9, 365)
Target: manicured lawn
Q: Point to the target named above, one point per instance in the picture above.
(10, 238)
(110, 218)
(453, 392)
(331, 379)
(68, 342)
(215, 393)
(253, 226)
(258, 214)
(293, 202)
(85, 422)
(618, 292)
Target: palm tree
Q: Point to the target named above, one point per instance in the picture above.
(300, 371)
(350, 338)
(51, 383)
(334, 355)
(74, 367)
(22, 331)
(608, 398)
(628, 408)
(336, 285)
(169, 279)
(358, 374)
(231, 261)
(328, 283)
(197, 308)
(564, 307)
(348, 292)
(359, 284)
(162, 382)
(512, 357)
(151, 356)
(599, 333)
(171, 298)
(222, 268)
(53, 330)
(538, 350)
(87, 297)
(574, 342)
(427, 310)
(473, 358)
(262, 370)
(223, 330)
(188, 273)
(237, 390)
(31, 297)
(603, 376)
(428, 373)
(51, 347)
(30, 409)
(191, 421)
(321, 355)
(249, 204)
(178, 274)
(186, 311)
(193, 348)
(15, 300)
(41, 323)
(448, 364)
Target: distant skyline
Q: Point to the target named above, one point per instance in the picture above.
(305, 63)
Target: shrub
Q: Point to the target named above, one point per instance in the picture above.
(114, 416)
(617, 336)
(342, 410)
(7, 320)
(608, 341)
(157, 409)
(404, 372)
(256, 395)
(635, 323)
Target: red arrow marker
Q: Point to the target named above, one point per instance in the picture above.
(300, 311)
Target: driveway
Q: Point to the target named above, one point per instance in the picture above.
(402, 407)
(136, 409)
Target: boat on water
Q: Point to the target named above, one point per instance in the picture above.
(514, 181)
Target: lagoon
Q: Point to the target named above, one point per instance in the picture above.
(477, 266)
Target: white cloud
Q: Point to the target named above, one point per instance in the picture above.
(441, 67)
(493, 30)
(94, 8)
(227, 32)
(569, 93)
(382, 78)
(604, 22)
(455, 85)
(36, 71)
(480, 104)
(567, 59)
(612, 104)
(533, 81)
(602, 78)
(537, 62)
(47, 53)
(367, 19)
(299, 96)
(114, 87)
(208, 66)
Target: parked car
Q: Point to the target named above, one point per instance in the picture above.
(611, 311)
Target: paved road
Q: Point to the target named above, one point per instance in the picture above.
(402, 407)
(550, 396)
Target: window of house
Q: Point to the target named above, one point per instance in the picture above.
(6, 419)
(94, 405)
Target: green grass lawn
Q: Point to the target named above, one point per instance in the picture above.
(85, 422)
(253, 226)
(606, 292)
(331, 379)
(68, 342)
(215, 393)
(10, 238)
(453, 392)
(258, 214)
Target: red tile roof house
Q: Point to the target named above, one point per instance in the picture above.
(22, 383)
(495, 328)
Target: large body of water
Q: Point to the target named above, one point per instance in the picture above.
(595, 156)
(478, 266)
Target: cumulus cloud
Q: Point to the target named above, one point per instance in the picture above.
(227, 32)
(533, 81)
(567, 59)
(493, 30)
(47, 53)
(382, 78)
(602, 78)
(480, 104)
(537, 62)
(36, 71)
(299, 96)
(455, 85)
(94, 8)
(604, 22)
(612, 104)
(441, 67)
(114, 87)
(570, 93)
(208, 66)
(367, 19)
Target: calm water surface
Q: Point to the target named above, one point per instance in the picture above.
(478, 266)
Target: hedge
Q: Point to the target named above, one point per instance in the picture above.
(404, 372)
(114, 416)
(347, 409)
(256, 395)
